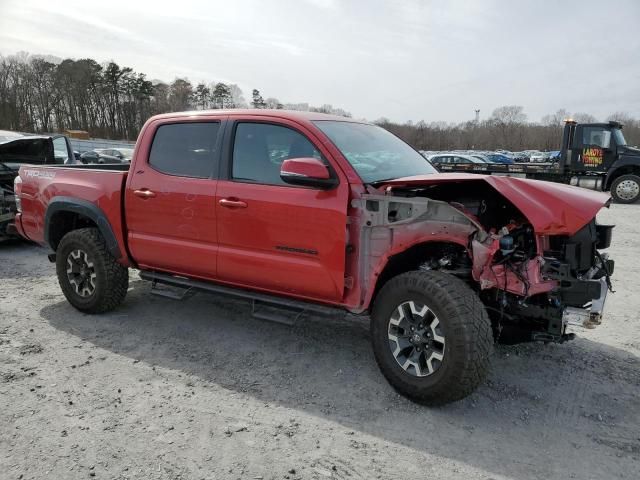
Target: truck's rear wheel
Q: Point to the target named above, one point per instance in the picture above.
(626, 189)
(431, 337)
(89, 276)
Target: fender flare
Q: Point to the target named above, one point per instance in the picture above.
(88, 210)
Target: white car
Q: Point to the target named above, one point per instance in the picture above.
(538, 157)
(457, 158)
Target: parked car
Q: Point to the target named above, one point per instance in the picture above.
(124, 154)
(537, 157)
(481, 157)
(107, 155)
(520, 157)
(453, 158)
(499, 158)
(311, 212)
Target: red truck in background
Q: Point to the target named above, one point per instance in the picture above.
(310, 212)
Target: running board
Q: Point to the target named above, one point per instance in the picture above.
(263, 306)
(176, 293)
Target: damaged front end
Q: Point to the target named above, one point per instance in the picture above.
(535, 295)
(534, 278)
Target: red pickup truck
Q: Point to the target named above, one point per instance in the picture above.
(309, 212)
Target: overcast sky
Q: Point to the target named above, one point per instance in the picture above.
(402, 59)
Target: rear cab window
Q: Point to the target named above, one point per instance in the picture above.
(60, 150)
(185, 149)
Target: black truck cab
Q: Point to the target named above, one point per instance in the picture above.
(596, 156)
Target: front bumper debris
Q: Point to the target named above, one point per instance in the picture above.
(591, 316)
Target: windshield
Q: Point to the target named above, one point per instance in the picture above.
(619, 137)
(375, 153)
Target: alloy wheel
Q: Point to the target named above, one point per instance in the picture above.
(81, 273)
(416, 339)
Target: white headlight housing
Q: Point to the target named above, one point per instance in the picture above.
(17, 185)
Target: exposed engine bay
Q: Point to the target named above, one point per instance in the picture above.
(533, 285)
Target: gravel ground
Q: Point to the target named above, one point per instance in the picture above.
(197, 389)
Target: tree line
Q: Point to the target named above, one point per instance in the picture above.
(47, 94)
(507, 128)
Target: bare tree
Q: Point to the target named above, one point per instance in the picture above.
(582, 117)
(556, 119)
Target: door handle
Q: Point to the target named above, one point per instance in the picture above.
(232, 203)
(144, 193)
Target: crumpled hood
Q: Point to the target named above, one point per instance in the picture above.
(552, 208)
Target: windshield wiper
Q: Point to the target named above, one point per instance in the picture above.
(383, 180)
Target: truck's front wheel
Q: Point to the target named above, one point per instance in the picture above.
(431, 337)
(626, 189)
(89, 276)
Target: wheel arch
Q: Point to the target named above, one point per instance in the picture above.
(65, 214)
(620, 168)
(411, 258)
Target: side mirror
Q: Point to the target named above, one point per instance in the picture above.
(307, 171)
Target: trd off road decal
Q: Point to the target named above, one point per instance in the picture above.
(592, 157)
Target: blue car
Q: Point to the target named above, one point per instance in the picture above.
(499, 158)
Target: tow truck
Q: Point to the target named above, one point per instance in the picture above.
(593, 155)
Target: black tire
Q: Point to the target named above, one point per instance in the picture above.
(626, 189)
(464, 325)
(109, 279)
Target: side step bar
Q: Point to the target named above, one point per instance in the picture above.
(264, 306)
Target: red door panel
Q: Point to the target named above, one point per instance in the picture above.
(288, 240)
(170, 198)
(272, 235)
(174, 230)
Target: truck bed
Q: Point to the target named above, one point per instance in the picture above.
(112, 167)
(101, 186)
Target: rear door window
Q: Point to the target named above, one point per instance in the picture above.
(185, 149)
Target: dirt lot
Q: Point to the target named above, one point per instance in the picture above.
(161, 389)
